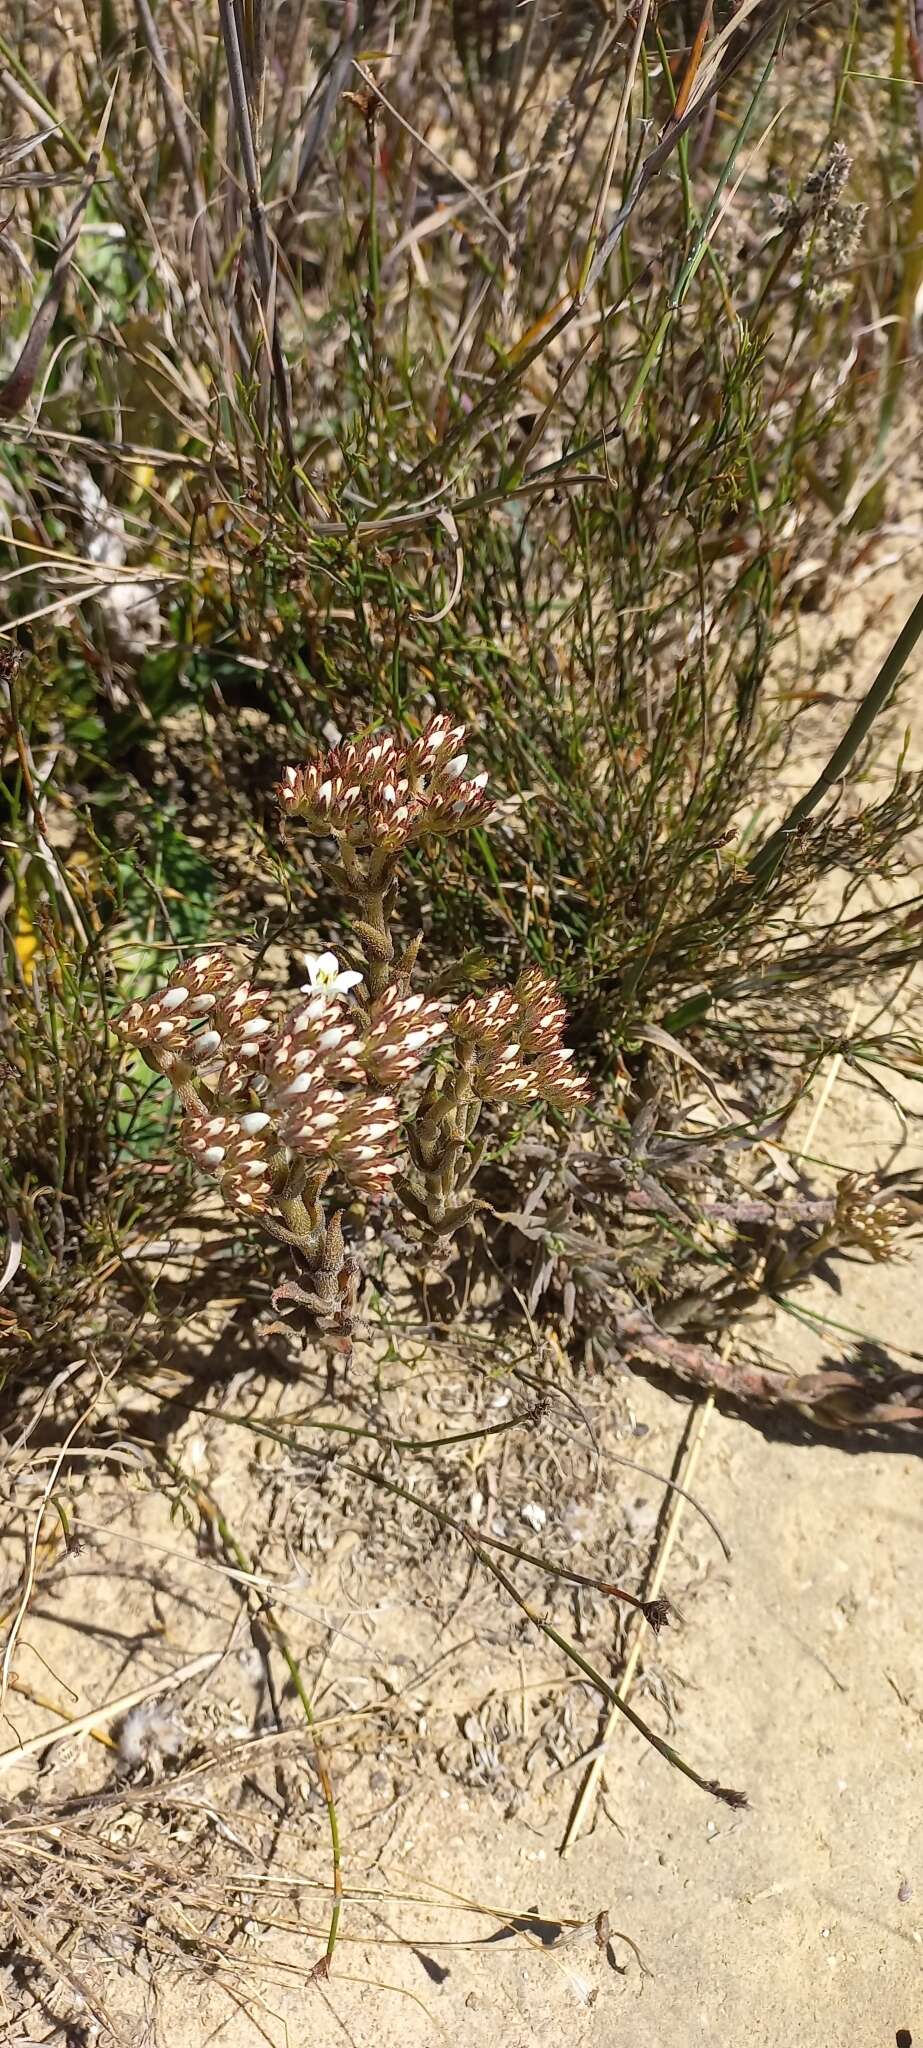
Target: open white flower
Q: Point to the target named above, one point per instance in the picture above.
(326, 977)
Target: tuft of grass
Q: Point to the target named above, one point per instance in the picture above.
(525, 366)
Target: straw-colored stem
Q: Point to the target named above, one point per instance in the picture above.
(694, 1437)
(212, 1513)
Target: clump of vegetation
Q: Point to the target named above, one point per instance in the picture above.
(540, 369)
(275, 1106)
(554, 425)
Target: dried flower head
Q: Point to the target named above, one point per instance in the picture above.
(503, 1076)
(365, 1143)
(864, 1219)
(438, 749)
(518, 1032)
(384, 793)
(178, 1022)
(234, 1149)
(487, 1020)
(240, 1021)
(323, 1039)
(455, 807)
(392, 816)
(556, 1082)
(320, 794)
(541, 1011)
(402, 1028)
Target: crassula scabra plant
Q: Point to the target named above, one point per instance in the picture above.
(367, 1086)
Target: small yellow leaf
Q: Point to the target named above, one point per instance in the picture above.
(142, 478)
(25, 941)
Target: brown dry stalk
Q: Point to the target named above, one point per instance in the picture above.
(837, 1397)
(695, 58)
(18, 386)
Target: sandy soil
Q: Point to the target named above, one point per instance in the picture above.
(456, 1740)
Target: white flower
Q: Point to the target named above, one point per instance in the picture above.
(326, 977)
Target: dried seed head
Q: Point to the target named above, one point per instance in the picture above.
(355, 1133)
(247, 1191)
(239, 1020)
(151, 1733)
(556, 1082)
(365, 1143)
(502, 1076)
(455, 808)
(321, 1038)
(234, 1152)
(823, 186)
(523, 1057)
(863, 1219)
(438, 744)
(309, 1123)
(206, 974)
(220, 1141)
(168, 1024)
(329, 801)
(541, 1011)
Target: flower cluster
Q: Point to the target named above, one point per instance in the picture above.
(172, 1023)
(230, 1147)
(302, 1089)
(863, 1219)
(356, 1133)
(384, 793)
(402, 1029)
(515, 1037)
(204, 1017)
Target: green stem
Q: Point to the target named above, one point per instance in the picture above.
(575, 1656)
(570, 1650)
(765, 860)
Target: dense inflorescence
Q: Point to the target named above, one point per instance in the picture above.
(378, 792)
